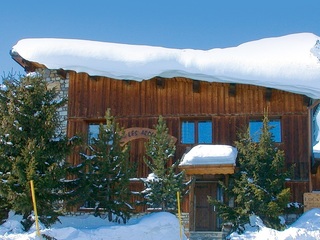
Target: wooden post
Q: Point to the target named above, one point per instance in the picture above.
(35, 207)
(192, 207)
(179, 213)
(310, 142)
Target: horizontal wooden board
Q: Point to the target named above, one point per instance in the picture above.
(208, 169)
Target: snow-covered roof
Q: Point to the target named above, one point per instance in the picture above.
(289, 63)
(210, 155)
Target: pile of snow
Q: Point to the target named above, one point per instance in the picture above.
(307, 227)
(289, 63)
(210, 155)
(155, 226)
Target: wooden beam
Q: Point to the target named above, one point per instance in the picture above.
(127, 82)
(191, 208)
(268, 94)
(27, 65)
(314, 104)
(196, 86)
(232, 89)
(62, 73)
(209, 169)
(307, 101)
(94, 78)
(160, 82)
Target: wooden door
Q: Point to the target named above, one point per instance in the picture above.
(205, 216)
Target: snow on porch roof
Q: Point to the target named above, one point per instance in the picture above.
(290, 63)
(210, 159)
(210, 155)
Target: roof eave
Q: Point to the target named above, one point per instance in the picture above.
(25, 64)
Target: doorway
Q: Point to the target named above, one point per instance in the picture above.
(206, 218)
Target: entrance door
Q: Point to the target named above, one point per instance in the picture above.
(205, 216)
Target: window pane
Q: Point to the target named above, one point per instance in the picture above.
(187, 132)
(276, 130)
(93, 131)
(255, 130)
(205, 132)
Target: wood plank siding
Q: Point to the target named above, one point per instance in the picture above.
(228, 106)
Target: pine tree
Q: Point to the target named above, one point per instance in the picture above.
(258, 186)
(103, 177)
(165, 181)
(4, 209)
(32, 147)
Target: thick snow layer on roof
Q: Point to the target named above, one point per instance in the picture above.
(210, 155)
(289, 63)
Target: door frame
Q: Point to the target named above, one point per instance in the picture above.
(207, 210)
(192, 198)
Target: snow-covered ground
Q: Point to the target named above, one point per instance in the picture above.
(307, 227)
(155, 226)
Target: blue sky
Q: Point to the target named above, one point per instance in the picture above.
(201, 24)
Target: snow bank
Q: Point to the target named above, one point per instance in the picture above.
(288, 63)
(307, 227)
(210, 155)
(155, 226)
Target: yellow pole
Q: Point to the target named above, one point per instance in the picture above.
(179, 213)
(35, 207)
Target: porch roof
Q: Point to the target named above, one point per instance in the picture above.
(210, 159)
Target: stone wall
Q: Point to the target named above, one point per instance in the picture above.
(61, 84)
(185, 222)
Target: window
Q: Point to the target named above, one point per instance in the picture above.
(93, 131)
(199, 131)
(315, 125)
(256, 125)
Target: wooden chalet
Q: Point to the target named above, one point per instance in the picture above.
(196, 112)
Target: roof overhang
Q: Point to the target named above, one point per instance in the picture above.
(208, 169)
(27, 65)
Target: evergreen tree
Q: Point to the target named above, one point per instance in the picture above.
(165, 181)
(103, 177)
(258, 186)
(4, 210)
(32, 147)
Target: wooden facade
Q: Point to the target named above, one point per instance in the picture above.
(229, 106)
